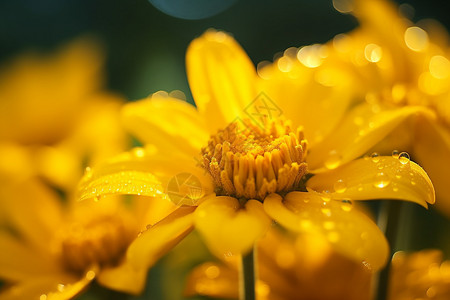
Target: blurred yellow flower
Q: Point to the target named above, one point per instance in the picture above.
(234, 164)
(391, 74)
(419, 275)
(55, 106)
(300, 269)
(304, 267)
(53, 251)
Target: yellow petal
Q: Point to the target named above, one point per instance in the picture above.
(169, 124)
(305, 101)
(140, 173)
(349, 231)
(160, 238)
(229, 229)
(20, 261)
(124, 278)
(213, 280)
(361, 129)
(56, 287)
(380, 177)
(432, 150)
(41, 95)
(33, 210)
(221, 78)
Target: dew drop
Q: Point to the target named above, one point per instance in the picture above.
(324, 198)
(333, 160)
(61, 287)
(43, 297)
(326, 211)
(340, 186)
(138, 152)
(346, 205)
(90, 275)
(375, 157)
(395, 189)
(413, 182)
(404, 158)
(381, 180)
(212, 272)
(395, 154)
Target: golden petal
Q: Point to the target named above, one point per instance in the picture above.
(229, 229)
(349, 231)
(221, 78)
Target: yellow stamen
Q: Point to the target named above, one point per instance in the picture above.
(251, 162)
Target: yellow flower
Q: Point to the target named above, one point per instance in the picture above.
(394, 78)
(304, 267)
(234, 164)
(55, 106)
(419, 275)
(53, 251)
(300, 269)
(54, 119)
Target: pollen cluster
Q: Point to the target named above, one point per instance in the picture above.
(250, 161)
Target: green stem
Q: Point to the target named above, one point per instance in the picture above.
(388, 221)
(247, 288)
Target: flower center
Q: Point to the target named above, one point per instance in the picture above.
(248, 161)
(98, 241)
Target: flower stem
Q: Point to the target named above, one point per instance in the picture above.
(247, 287)
(388, 221)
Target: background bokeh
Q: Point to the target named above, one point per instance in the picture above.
(146, 47)
(145, 53)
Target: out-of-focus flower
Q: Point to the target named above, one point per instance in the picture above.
(419, 275)
(235, 164)
(53, 251)
(302, 268)
(391, 74)
(54, 120)
(54, 106)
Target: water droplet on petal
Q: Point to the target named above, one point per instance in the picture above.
(375, 157)
(346, 205)
(43, 297)
(61, 287)
(340, 186)
(395, 154)
(212, 272)
(381, 180)
(326, 211)
(90, 275)
(404, 158)
(333, 160)
(138, 152)
(326, 199)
